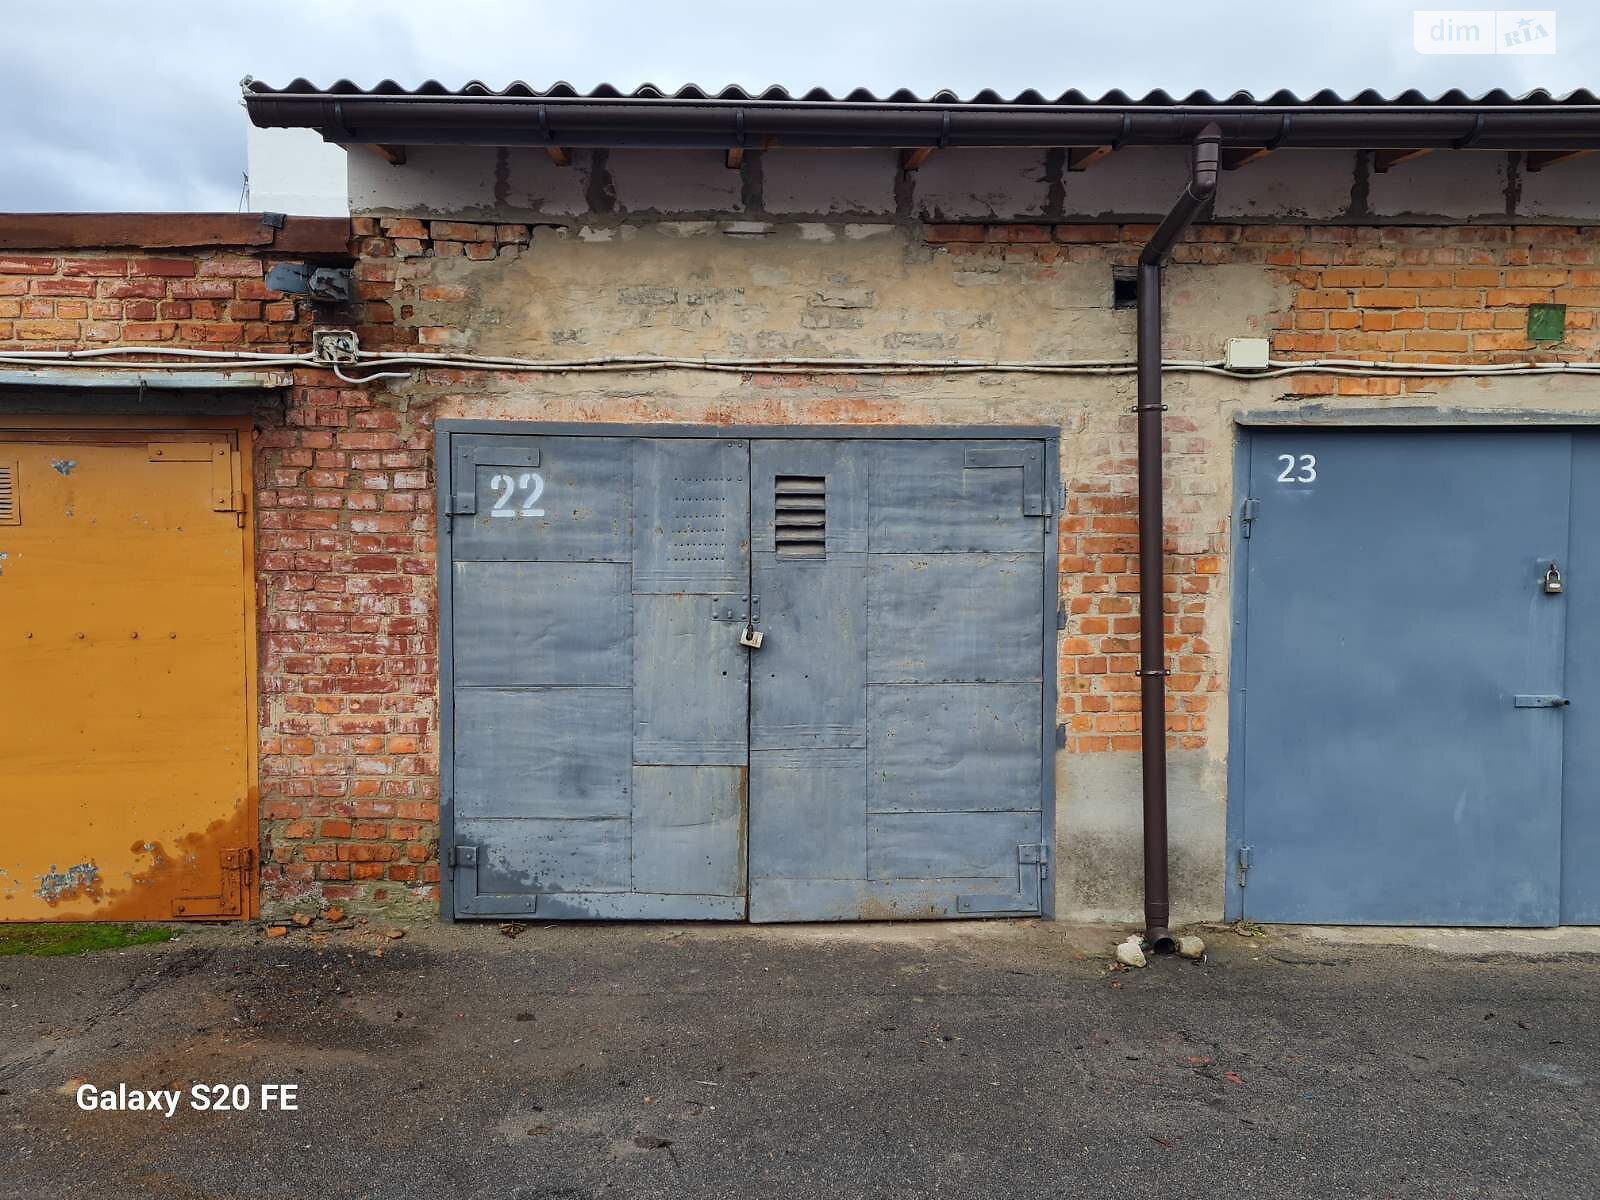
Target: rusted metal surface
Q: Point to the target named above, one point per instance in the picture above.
(126, 726)
(169, 231)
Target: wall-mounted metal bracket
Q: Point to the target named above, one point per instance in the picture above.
(327, 285)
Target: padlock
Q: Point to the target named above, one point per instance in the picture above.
(1552, 580)
(751, 637)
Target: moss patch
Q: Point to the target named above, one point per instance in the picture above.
(48, 939)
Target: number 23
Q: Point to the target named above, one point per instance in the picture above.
(1298, 470)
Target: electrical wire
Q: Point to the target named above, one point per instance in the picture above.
(369, 366)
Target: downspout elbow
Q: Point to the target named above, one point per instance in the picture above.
(1202, 186)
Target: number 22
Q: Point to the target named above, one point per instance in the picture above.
(1306, 472)
(507, 486)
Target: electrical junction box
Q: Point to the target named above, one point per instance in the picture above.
(1245, 354)
(334, 346)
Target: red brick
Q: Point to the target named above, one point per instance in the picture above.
(232, 266)
(460, 231)
(403, 227)
(63, 287)
(94, 266)
(128, 289)
(154, 331)
(11, 264)
(46, 330)
(170, 267)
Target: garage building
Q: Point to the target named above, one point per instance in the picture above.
(728, 507)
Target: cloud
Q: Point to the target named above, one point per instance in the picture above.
(118, 106)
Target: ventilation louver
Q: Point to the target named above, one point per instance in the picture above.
(800, 524)
(9, 511)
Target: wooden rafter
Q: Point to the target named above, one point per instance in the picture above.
(1242, 156)
(911, 159)
(1538, 160)
(395, 156)
(1386, 160)
(1081, 158)
(559, 155)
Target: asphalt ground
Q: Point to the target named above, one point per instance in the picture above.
(981, 1060)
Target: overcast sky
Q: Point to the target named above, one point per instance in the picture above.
(113, 105)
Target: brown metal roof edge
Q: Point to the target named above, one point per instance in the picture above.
(174, 231)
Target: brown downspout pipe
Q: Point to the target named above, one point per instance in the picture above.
(1152, 613)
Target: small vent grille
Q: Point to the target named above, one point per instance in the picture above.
(800, 527)
(9, 514)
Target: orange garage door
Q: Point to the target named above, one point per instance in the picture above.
(126, 724)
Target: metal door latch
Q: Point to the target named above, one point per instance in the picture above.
(1552, 579)
(1540, 702)
(751, 637)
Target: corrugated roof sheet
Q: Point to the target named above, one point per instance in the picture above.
(1116, 98)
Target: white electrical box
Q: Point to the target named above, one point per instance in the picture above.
(1245, 354)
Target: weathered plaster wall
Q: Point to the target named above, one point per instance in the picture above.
(745, 287)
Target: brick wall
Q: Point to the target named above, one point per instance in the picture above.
(344, 539)
(1425, 294)
(344, 511)
(215, 300)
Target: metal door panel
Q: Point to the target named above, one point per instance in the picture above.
(932, 899)
(692, 500)
(547, 623)
(925, 498)
(575, 505)
(1393, 612)
(931, 645)
(1580, 785)
(809, 815)
(125, 715)
(548, 854)
(936, 618)
(947, 845)
(688, 830)
(554, 752)
(813, 662)
(690, 694)
(969, 746)
(664, 702)
(604, 670)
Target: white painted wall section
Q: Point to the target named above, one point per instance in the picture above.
(294, 171)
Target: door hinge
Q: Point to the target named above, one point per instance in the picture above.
(234, 897)
(1061, 737)
(1247, 515)
(1035, 853)
(1061, 617)
(1029, 896)
(1245, 858)
(1035, 495)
